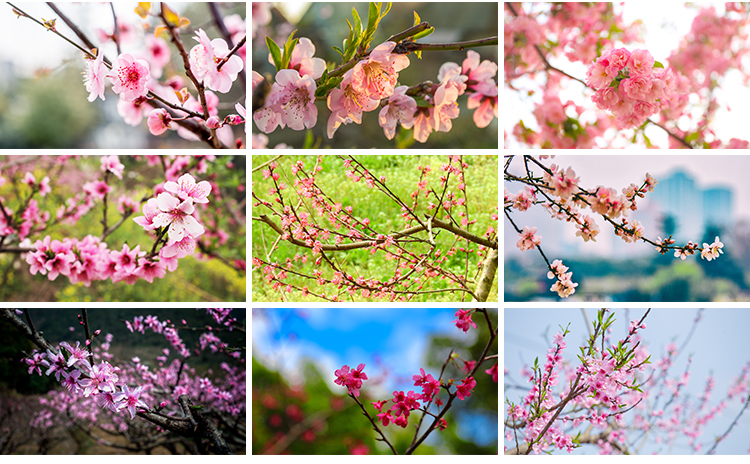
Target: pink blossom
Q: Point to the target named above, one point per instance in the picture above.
(599, 76)
(112, 164)
(293, 97)
(493, 372)
(377, 75)
(422, 123)
(347, 104)
(159, 53)
(484, 99)
(159, 121)
(640, 63)
(400, 109)
(464, 321)
(179, 249)
(130, 77)
(178, 217)
(150, 211)
(463, 391)
(637, 87)
(93, 77)
(185, 188)
(130, 400)
(204, 59)
(303, 61)
(529, 240)
(241, 110)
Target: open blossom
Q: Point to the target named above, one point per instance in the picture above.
(130, 400)
(713, 250)
(130, 77)
(529, 239)
(303, 61)
(347, 104)
(204, 59)
(177, 216)
(93, 77)
(377, 75)
(351, 379)
(464, 321)
(400, 109)
(112, 164)
(463, 391)
(185, 188)
(293, 98)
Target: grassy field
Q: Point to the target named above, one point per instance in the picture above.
(402, 175)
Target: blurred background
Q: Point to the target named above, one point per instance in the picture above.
(43, 101)
(325, 25)
(298, 409)
(528, 334)
(697, 198)
(20, 393)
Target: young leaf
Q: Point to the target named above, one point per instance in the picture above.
(387, 9)
(373, 17)
(339, 51)
(275, 53)
(658, 65)
(424, 33)
(417, 20)
(288, 49)
(357, 22)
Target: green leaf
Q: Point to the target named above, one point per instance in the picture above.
(373, 17)
(692, 137)
(309, 139)
(418, 54)
(387, 9)
(658, 65)
(357, 22)
(289, 48)
(275, 53)
(417, 20)
(424, 33)
(339, 51)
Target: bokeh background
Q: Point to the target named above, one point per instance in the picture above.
(43, 102)
(324, 23)
(697, 198)
(20, 393)
(718, 346)
(298, 409)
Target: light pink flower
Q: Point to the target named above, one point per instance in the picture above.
(293, 96)
(422, 123)
(241, 110)
(93, 77)
(130, 400)
(112, 164)
(637, 87)
(400, 109)
(178, 217)
(377, 75)
(529, 240)
(204, 59)
(180, 249)
(640, 63)
(185, 188)
(159, 121)
(130, 77)
(97, 189)
(484, 99)
(476, 71)
(302, 59)
(599, 76)
(159, 53)
(150, 211)
(347, 104)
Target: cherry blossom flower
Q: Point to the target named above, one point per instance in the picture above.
(185, 188)
(493, 372)
(529, 240)
(464, 321)
(112, 164)
(400, 109)
(376, 76)
(159, 120)
(178, 217)
(130, 77)
(93, 77)
(347, 104)
(713, 250)
(241, 110)
(303, 61)
(130, 400)
(204, 59)
(463, 391)
(293, 97)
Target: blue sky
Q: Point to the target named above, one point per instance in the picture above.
(719, 344)
(392, 338)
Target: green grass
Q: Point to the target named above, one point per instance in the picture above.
(401, 175)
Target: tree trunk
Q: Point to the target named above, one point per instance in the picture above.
(489, 269)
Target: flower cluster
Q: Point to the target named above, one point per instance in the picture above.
(351, 379)
(629, 85)
(464, 321)
(371, 84)
(171, 212)
(80, 376)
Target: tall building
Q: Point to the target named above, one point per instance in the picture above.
(691, 207)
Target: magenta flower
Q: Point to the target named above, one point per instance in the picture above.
(241, 110)
(150, 211)
(97, 189)
(464, 321)
(178, 217)
(159, 121)
(56, 363)
(93, 77)
(130, 400)
(78, 355)
(463, 391)
(293, 97)
(204, 59)
(130, 77)
(127, 259)
(150, 270)
(185, 188)
(493, 372)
